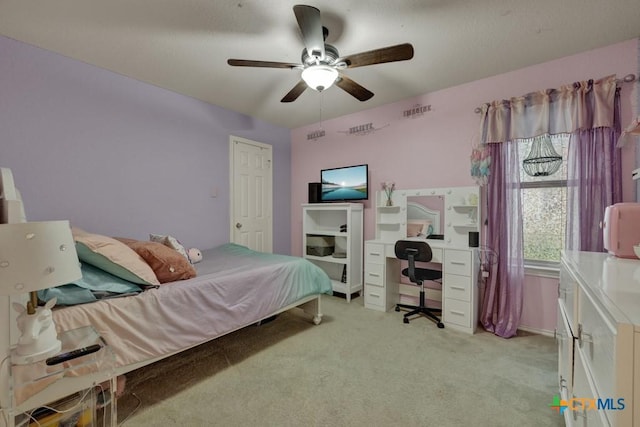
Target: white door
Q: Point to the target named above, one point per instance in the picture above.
(251, 194)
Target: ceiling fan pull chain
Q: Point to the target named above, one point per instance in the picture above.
(321, 99)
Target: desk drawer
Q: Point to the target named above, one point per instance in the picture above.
(457, 262)
(457, 312)
(373, 253)
(374, 274)
(457, 287)
(374, 296)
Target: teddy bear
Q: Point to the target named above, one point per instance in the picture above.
(195, 255)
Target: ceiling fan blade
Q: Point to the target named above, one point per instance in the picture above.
(311, 28)
(353, 88)
(400, 52)
(295, 92)
(265, 64)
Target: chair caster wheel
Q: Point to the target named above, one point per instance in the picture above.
(405, 320)
(440, 325)
(397, 308)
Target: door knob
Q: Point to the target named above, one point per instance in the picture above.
(238, 225)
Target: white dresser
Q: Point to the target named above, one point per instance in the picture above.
(599, 339)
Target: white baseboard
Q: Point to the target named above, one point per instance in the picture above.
(537, 331)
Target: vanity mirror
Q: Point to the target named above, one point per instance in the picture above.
(424, 215)
(449, 212)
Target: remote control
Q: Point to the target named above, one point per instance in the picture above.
(63, 357)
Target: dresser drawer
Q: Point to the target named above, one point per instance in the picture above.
(597, 343)
(374, 253)
(568, 294)
(457, 312)
(374, 297)
(582, 389)
(457, 287)
(457, 262)
(373, 274)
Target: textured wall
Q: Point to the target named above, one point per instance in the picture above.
(433, 151)
(120, 157)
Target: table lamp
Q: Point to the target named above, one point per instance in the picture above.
(35, 256)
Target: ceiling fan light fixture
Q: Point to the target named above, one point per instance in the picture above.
(319, 77)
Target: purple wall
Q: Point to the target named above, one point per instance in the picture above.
(120, 157)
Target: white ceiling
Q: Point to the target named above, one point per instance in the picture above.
(183, 45)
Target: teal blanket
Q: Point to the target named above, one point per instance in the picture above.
(94, 284)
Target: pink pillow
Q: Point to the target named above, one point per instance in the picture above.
(113, 256)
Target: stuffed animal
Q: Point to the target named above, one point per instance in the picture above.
(195, 255)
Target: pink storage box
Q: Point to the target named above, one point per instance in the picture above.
(621, 229)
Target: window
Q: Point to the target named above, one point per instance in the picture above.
(544, 207)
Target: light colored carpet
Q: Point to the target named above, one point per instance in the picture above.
(357, 368)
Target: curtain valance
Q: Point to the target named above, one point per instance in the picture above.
(579, 106)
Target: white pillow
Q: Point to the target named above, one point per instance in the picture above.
(171, 242)
(113, 256)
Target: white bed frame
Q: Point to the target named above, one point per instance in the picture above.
(310, 306)
(12, 210)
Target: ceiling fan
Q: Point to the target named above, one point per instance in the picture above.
(321, 63)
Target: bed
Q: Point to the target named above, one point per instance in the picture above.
(234, 287)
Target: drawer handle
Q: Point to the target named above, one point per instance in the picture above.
(559, 335)
(458, 288)
(458, 263)
(374, 274)
(374, 253)
(583, 337)
(374, 295)
(577, 414)
(565, 294)
(459, 313)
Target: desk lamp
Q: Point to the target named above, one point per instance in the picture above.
(34, 256)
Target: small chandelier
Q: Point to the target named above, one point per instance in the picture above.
(542, 159)
(319, 77)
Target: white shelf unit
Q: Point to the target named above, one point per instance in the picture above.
(391, 221)
(461, 214)
(320, 219)
(37, 385)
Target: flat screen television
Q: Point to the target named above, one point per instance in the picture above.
(345, 184)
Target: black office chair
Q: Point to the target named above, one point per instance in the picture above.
(413, 251)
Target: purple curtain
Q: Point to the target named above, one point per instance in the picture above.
(594, 179)
(502, 303)
(587, 110)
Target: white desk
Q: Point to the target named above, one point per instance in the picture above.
(460, 267)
